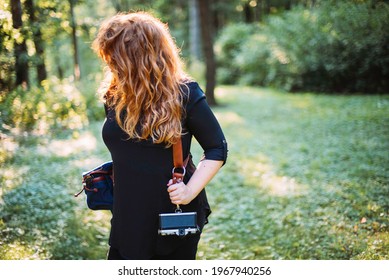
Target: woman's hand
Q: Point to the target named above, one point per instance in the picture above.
(180, 193)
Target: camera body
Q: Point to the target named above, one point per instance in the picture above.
(178, 223)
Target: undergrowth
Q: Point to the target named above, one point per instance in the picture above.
(306, 178)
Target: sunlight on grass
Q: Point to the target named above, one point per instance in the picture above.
(12, 177)
(229, 117)
(89, 162)
(259, 173)
(17, 251)
(96, 216)
(298, 183)
(279, 185)
(64, 148)
(7, 147)
(303, 103)
(232, 120)
(306, 178)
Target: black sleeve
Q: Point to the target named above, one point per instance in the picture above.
(204, 126)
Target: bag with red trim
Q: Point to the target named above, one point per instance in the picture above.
(98, 186)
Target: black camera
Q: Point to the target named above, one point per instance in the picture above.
(178, 223)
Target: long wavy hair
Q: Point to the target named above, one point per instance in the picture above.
(146, 78)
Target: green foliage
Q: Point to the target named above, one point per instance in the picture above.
(306, 178)
(6, 45)
(93, 99)
(39, 217)
(229, 42)
(335, 47)
(57, 105)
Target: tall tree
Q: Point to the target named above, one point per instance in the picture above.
(77, 73)
(267, 6)
(209, 55)
(20, 47)
(194, 30)
(7, 65)
(248, 12)
(38, 42)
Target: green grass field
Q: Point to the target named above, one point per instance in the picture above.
(307, 178)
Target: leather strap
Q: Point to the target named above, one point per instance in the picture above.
(179, 167)
(177, 154)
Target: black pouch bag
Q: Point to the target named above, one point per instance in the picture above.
(98, 186)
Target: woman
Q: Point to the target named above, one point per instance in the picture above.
(151, 102)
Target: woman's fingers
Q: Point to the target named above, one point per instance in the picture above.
(173, 187)
(179, 193)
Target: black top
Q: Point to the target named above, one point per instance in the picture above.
(142, 170)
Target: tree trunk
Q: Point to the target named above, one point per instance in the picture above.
(194, 30)
(268, 7)
(20, 48)
(77, 73)
(217, 20)
(207, 40)
(38, 42)
(288, 5)
(248, 13)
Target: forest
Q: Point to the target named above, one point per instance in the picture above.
(299, 86)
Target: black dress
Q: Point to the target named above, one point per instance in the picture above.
(142, 170)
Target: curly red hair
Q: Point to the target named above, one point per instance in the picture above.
(146, 76)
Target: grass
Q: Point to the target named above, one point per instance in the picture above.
(307, 178)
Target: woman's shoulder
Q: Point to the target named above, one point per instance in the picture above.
(193, 94)
(193, 86)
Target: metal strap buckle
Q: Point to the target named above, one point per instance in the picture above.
(183, 169)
